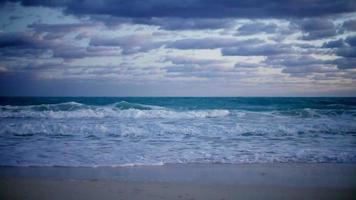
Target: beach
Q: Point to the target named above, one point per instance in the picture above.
(181, 181)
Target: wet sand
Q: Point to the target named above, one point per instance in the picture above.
(189, 181)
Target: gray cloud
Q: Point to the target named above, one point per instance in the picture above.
(317, 28)
(17, 40)
(258, 27)
(210, 43)
(334, 44)
(350, 25)
(300, 66)
(293, 61)
(129, 44)
(351, 41)
(201, 8)
(257, 50)
(346, 52)
(247, 65)
(302, 71)
(29, 44)
(345, 63)
(185, 23)
(346, 49)
(74, 52)
(57, 31)
(184, 66)
(183, 60)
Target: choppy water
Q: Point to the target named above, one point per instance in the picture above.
(149, 131)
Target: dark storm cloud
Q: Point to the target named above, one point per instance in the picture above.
(201, 8)
(210, 43)
(258, 27)
(334, 44)
(317, 28)
(348, 51)
(345, 63)
(350, 25)
(23, 44)
(351, 41)
(16, 40)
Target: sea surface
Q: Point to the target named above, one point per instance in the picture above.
(98, 131)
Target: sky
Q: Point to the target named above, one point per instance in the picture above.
(178, 48)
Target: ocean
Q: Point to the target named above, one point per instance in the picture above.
(115, 131)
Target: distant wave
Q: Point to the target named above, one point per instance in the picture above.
(72, 105)
(121, 109)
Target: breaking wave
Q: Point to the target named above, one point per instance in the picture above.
(121, 109)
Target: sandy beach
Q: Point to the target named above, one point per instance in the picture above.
(189, 181)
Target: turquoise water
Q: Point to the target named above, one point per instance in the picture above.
(101, 131)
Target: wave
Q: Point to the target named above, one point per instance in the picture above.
(121, 109)
(134, 110)
(72, 105)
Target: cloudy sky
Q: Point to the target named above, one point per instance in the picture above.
(178, 48)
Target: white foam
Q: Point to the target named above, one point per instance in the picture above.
(108, 111)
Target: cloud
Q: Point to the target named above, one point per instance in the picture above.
(257, 27)
(31, 44)
(300, 65)
(57, 31)
(349, 52)
(334, 44)
(247, 65)
(345, 63)
(201, 8)
(210, 43)
(293, 61)
(17, 40)
(350, 25)
(74, 52)
(185, 66)
(351, 41)
(129, 44)
(317, 28)
(174, 23)
(345, 49)
(303, 71)
(183, 60)
(257, 50)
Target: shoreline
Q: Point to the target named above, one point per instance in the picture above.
(182, 181)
